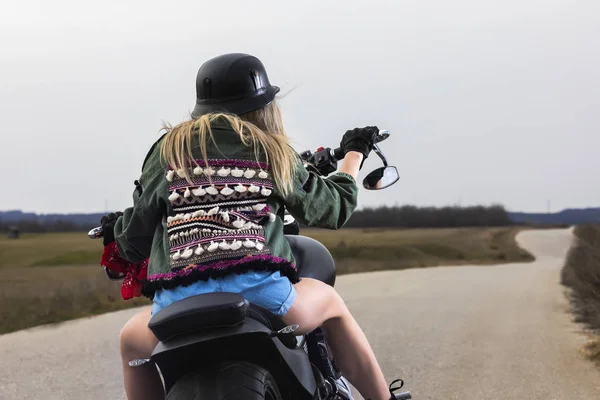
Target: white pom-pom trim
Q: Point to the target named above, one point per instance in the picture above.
(212, 190)
(199, 192)
(174, 196)
(240, 188)
(198, 171)
(213, 211)
(249, 244)
(226, 191)
(199, 250)
(237, 173)
(187, 192)
(238, 223)
(209, 171)
(263, 175)
(236, 245)
(176, 256)
(187, 253)
(259, 246)
(199, 213)
(170, 175)
(253, 189)
(224, 172)
(249, 173)
(213, 247)
(266, 192)
(224, 246)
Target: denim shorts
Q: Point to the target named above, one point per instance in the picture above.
(267, 289)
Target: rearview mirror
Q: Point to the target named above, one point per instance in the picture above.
(381, 178)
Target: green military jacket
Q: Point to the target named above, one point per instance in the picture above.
(230, 219)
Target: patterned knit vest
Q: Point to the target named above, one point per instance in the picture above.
(215, 225)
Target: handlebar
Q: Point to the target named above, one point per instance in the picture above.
(338, 154)
(325, 160)
(96, 233)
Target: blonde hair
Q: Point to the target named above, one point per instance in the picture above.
(260, 129)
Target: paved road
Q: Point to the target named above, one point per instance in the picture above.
(481, 332)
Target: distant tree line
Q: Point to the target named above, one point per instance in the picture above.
(430, 217)
(28, 226)
(385, 217)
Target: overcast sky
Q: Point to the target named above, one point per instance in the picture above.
(487, 101)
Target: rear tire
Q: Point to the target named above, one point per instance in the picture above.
(229, 380)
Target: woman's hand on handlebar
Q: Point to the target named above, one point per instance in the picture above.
(108, 226)
(359, 140)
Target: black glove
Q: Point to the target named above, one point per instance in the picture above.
(108, 227)
(359, 139)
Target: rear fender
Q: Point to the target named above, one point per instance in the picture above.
(250, 341)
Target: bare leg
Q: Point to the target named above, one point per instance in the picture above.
(137, 341)
(318, 304)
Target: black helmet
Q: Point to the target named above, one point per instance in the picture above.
(235, 83)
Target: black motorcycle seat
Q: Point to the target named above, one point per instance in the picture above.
(194, 313)
(209, 310)
(313, 260)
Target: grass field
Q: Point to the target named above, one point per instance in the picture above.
(49, 278)
(360, 250)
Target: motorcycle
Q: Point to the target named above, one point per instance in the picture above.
(218, 345)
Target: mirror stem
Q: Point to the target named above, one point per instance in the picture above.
(380, 154)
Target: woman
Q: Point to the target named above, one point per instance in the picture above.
(206, 213)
